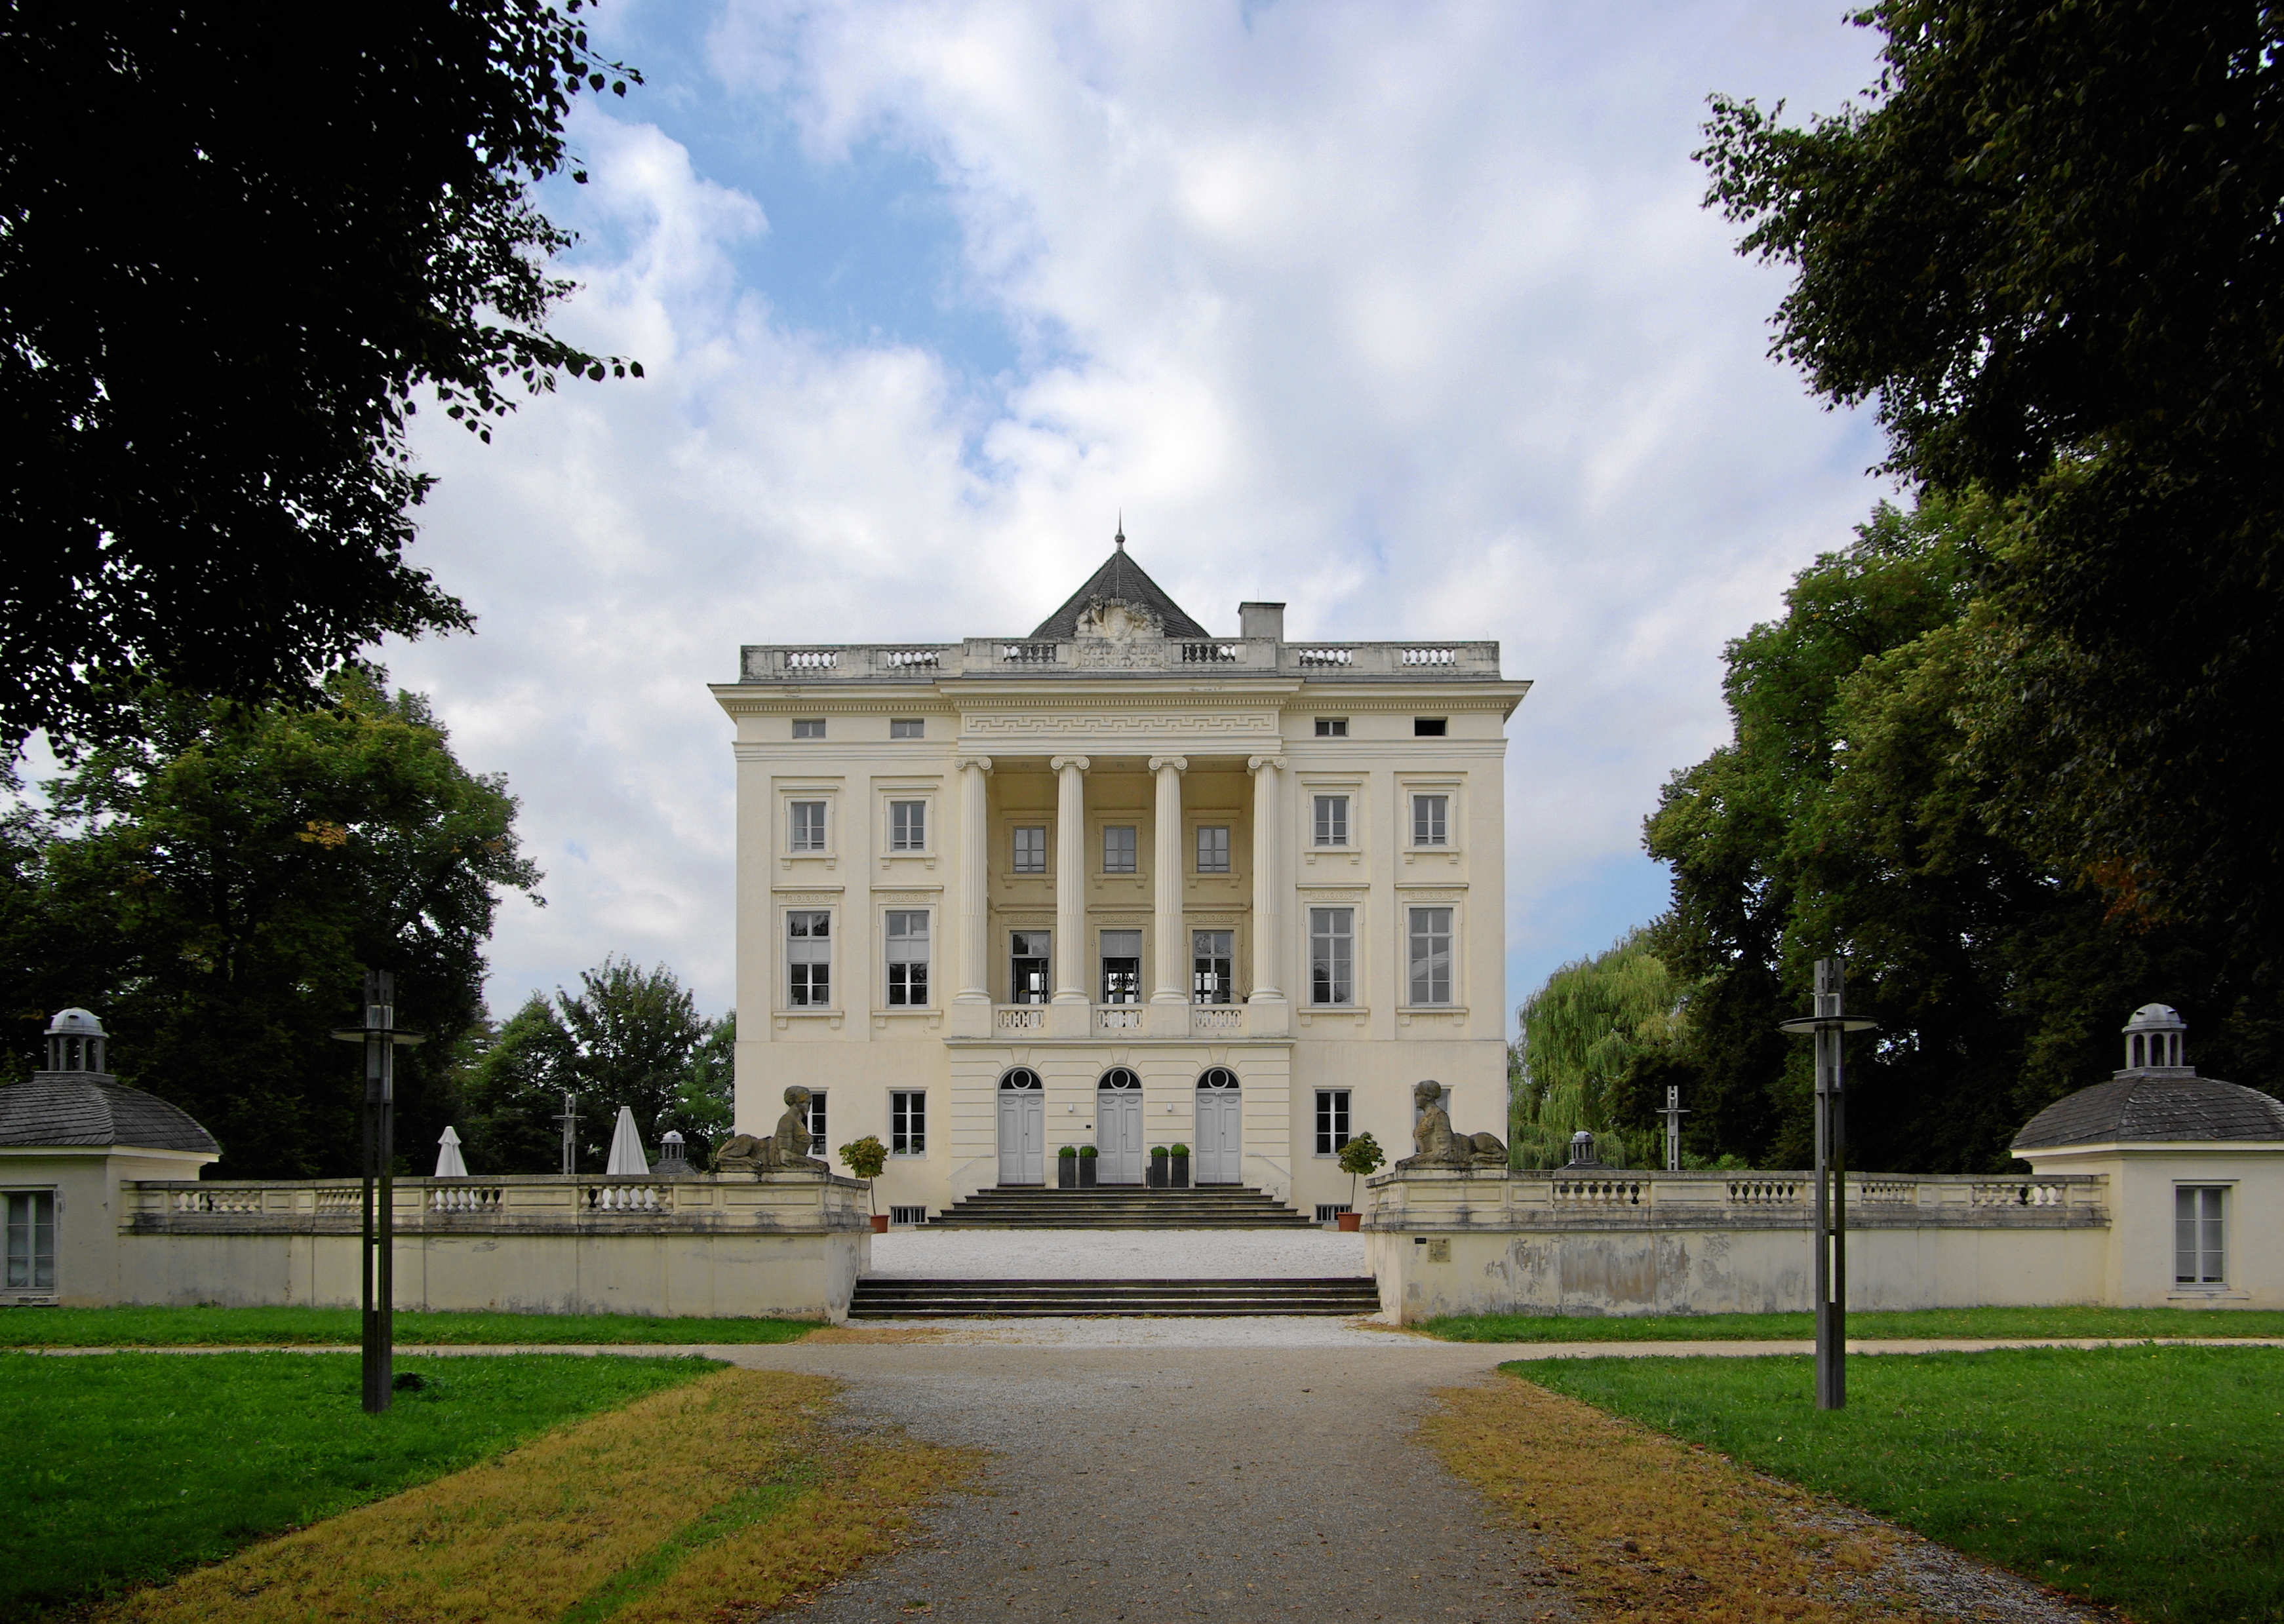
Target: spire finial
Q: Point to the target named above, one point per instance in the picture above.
(1120, 539)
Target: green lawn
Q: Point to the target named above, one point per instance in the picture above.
(123, 1467)
(2148, 1479)
(1972, 1323)
(238, 1327)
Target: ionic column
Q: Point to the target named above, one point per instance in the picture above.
(1070, 879)
(975, 879)
(1268, 870)
(1171, 985)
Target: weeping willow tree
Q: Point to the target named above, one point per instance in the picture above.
(1598, 1041)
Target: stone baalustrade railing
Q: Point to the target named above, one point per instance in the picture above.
(908, 662)
(784, 1202)
(1497, 1198)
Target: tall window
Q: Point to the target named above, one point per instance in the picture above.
(812, 727)
(1031, 851)
(1332, 1120)
(32, 1241)
(1332, 955)
(2199, 1257)
(908, 825)
(908, 727)
(809, 959)
(1209, 966)
(908, 959)
(1122, 966)
(1430, 956)
(816, 1133)
(1430, 820)
(1118, 848)
(1213, 848)
(907, 1122)
(808, 825)
(1030, 964)
(1332, 820)
(1332, 726)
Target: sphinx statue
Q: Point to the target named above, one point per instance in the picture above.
(784, 1151)
(1435, 1143)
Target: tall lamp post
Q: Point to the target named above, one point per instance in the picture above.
(381, 1041)
(1828, 1027)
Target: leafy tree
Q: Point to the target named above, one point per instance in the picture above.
(1600, 1039)
(511, 1097)
(706, 1102)
(215, 886)
(2048, 249)
(236, 242)
(1850, 812)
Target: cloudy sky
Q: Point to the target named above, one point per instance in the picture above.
(1405, 314)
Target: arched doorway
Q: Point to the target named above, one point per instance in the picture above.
(1118, 1128)
(1221, 1128)
(1022, 1127)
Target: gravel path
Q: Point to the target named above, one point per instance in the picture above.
(1116, 1254)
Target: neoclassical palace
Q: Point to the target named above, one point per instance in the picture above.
(1120, 883)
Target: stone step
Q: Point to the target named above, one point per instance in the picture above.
(877, 1298)
(1121, 1207)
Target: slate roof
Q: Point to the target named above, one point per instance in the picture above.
(1122, 581)
(93, 1108)
(2143, 1106)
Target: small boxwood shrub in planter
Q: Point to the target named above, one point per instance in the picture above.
(1087, 1156)
(865, 1157)
(1360, 1158)
(1066, 1168)
(1157, 1166)
(1177, 1173)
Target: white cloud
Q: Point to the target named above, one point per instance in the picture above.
(1408, 315)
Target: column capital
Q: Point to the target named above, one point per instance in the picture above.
(1179, 763)
(1056, 763)
(1255, 763)
(981, 763)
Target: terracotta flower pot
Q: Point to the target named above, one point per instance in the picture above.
(880, 1223)
(1349, 1221)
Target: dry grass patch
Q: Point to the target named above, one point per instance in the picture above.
(713, 1500)
(1649, 1529)
(876, 1333)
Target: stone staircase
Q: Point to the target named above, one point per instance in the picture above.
(1216, 1206)
(878, 1299)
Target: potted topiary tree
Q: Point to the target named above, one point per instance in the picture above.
(1066, 1168)
(1360, 1158)
(1178, 1174)
(1087, 1156)
(865, 1157)
(1157, 1166)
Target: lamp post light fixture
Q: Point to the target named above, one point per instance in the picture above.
(381, 1041)
(1673, 1112)
(1828, 1027)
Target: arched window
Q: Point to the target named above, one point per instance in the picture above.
(1119, 1077)
(1218, 1077)
(1021, 1077)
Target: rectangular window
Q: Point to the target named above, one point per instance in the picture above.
(1428, 727)
(1332, 1121)
(1431, 820)
(908, 959)
(1332, 820)
(908, 825)
(907, 1124)
(1213, 850)
(1030, 851)
(809, 727)
(808, 825)
(809, 960)
(816, 1136)
(1118, 848)
(907, 727)
(32, 1241)
(1332, 955)
(1332, 726)
(1030, 956)
(2199, 1257)
(1122, 966)
(1209, 966)
(1430, 956)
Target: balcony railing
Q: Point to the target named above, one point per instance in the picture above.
(906, 663)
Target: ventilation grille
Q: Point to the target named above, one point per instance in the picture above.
(1327, 1210)
(908, 1215)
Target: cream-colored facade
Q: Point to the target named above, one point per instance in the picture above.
(1132, 859)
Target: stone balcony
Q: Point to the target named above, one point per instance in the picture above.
(1091, 657)
(1122, 1023)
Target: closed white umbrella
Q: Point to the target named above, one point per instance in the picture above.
(448, 1163)
(627, 1147)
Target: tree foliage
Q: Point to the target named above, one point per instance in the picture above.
(214, 886)
(2049, 249)
(236, 242)
(1599, 1042)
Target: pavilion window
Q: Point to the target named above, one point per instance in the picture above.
(1122, 966)
(2200, 1257)
(1430, 956)
(808, 825)
(1332, 820)
(809, 960)
(1213, 848)
(908, 825)
(1031, 850)
(1210, 957)
(32, 1240)
(1332, 955)
(1431, 820)
(908, 959)
(1029, 967)
(1118, 848)
(907, 1122)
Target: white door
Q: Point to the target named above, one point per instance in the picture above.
(1022, 1137)
(1221, 1130)
(1118, 1137)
